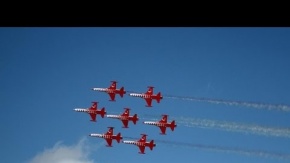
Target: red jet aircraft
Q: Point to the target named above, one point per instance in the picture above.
(112, 90)
(141, 143)
(109, 136)
(93, 111)
(162, 124)
(148, 96)
(125, 117)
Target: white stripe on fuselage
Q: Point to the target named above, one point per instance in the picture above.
(100, 89)
(86, 110)
(80, 110)
(154, 123)
(113, 116)
(129, 142)
(139, 95)
(118, 117)
(104, 90)
(97, 135)
(134, 142)
(101, 136)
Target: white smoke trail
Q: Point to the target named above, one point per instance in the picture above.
(259, 153)
(238, 127)
(256, 105)
(231, 126)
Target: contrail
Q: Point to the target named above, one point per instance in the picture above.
(247, 152)
(230, 126)
(256, 105)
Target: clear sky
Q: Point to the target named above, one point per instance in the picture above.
(47, 72)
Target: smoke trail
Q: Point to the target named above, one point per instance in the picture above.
(236, 127)
(247, 152)
(256, 105)
(231, 126)
(259, 153)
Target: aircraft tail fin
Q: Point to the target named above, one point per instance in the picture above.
(135, 118)
(119, 137)
(103, 112)
(122, 92)
(172, 125)
(151, 145)
(159, 97)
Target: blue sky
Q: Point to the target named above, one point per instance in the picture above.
(47, 72)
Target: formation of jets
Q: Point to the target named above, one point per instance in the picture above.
(125, 117)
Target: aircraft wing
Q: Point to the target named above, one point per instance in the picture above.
(148, 101)
(142, 149)
(163, 129)
(112, 96)
(109, 142)
(93, 116)
(125, 123)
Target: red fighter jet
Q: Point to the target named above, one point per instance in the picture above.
(148, 96)
(112, 90)
(141, 143)
(125, 117)
(93, 111)
(162, 124)
(109, 136)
